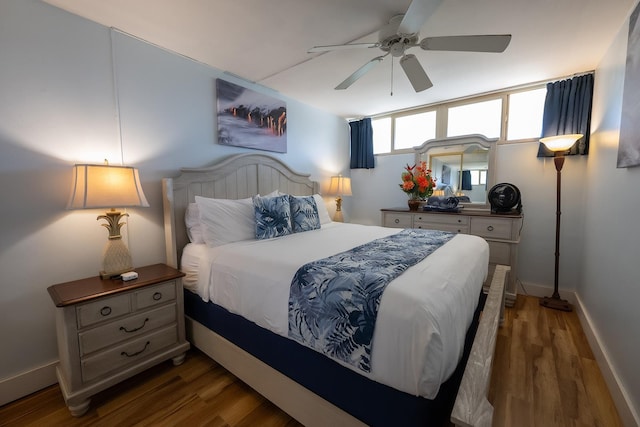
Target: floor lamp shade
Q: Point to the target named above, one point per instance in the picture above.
(105, 186)
(559, 144)
(339, 186)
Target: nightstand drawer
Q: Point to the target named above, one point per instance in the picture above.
(397, 221)
(103, 309)
(155, 295)
(141, 348)
(125, 328)
(491, 228)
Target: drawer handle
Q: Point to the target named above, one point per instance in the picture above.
(157, 296)
(490, 228)
(397, 221)
(122, 328)
(124, 353)
(459, 221)
(105, 311)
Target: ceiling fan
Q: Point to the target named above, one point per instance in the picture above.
(402, 33)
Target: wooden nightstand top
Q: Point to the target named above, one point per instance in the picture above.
(69, 293)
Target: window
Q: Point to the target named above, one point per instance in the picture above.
(400, 132)
(381, 135)
(414, 129)
(525, 114)
(479, 117)
(478, 177)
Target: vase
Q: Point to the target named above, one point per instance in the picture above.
(414, 204)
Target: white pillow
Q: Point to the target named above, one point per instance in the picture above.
(192, 221)
(225, 220)
(323, 213)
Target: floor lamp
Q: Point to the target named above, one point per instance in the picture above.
(559, 145)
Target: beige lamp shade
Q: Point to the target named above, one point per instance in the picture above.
(105, 186)
(340, 186)
(560, 142)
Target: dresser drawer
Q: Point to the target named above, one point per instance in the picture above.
(102, 310)
(452, 228)
(125, 328)
(454, 220)
(499, 253)
(131, 352)
(155, 295)
(398, 220)
(493, 228)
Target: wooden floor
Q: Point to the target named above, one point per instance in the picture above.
(544, 375)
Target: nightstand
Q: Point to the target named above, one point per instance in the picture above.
(109, 330)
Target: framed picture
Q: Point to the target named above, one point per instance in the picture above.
(250, 119)
(446, 175)
(629, 146)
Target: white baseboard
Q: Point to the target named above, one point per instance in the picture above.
(628, 414)
(27, 382)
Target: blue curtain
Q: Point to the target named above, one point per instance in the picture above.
(466, 180)
(362, 144)
(567, 109)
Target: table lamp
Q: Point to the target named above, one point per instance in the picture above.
(339, 186)
(106, 186)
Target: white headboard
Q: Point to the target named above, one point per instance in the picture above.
(235, 177)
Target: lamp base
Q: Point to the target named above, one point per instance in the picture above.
(115, 259)
(556, 303)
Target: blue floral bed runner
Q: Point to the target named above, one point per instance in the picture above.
(333, 302)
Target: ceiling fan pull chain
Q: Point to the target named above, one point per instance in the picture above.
(391, 94)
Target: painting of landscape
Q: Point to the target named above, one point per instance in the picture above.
(250, 119)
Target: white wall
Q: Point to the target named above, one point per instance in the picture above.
(609, 286)
(58, 108)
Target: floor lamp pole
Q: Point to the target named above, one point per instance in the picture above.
(555, 301)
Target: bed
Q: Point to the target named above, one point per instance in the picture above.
(242, 331)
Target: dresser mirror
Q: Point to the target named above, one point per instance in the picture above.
(463, 165)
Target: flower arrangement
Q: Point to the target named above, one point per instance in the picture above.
(417, 181)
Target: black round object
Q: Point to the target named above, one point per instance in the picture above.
(504, 198)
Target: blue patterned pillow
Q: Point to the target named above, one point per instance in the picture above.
(272, 216)
(304, 214)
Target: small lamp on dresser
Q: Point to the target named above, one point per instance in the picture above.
(339, 186)
(106, 186)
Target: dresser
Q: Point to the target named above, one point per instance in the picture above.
(501, 231)
(109, 330)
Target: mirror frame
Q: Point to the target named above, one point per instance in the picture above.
(475, 139)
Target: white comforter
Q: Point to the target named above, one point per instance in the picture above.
(423, 315)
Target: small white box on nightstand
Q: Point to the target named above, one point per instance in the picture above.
(130, 275)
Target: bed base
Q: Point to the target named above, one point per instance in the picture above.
(471, 407)
(297, 401)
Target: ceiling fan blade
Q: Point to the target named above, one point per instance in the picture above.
(489, 43)
(415, 73)
(417, 14)
(342, 47)
(359, 73)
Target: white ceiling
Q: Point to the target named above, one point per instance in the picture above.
(266, 41)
